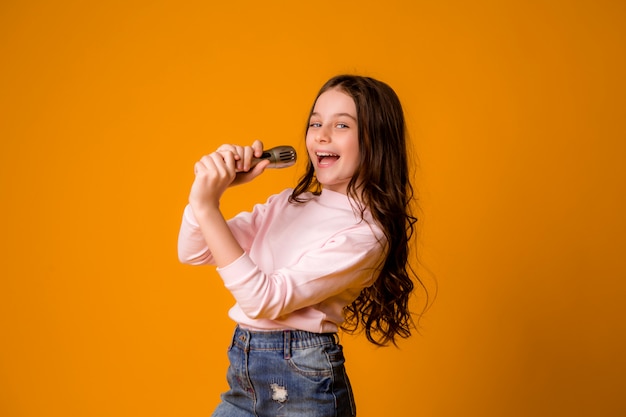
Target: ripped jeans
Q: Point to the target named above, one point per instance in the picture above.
(289, 373)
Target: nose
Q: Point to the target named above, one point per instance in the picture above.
(323, 135)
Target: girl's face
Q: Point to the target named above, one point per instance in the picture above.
(332, 140)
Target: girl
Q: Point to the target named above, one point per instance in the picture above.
(331, 253)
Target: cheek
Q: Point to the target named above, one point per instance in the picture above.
(309, 142)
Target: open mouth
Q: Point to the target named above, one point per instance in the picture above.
(326, 158)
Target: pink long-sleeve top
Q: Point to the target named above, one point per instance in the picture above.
(303, 263)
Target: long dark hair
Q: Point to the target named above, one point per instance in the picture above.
(381, 184)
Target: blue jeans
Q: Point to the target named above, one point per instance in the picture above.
(289, 373)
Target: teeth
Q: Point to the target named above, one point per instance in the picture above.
(326, 154)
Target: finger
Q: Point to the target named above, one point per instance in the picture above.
(210, 161)
(248, 154)
(240, 158)
(197, 167)
(227, 147)
(259, 168)
(257, 146)
(231, 161)
(244, 177)
(225, 164)
(236, 150)
(203, 164)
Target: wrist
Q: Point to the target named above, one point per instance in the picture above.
(205, 210)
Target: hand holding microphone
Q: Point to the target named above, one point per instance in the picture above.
(217, 171)
(278, 157)
(214, 172)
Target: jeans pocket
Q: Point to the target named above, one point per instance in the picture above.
(312, 362)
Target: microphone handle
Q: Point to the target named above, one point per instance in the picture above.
(265, 156)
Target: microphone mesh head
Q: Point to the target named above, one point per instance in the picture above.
(282, 157)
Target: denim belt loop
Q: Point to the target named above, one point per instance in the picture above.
(287, 344)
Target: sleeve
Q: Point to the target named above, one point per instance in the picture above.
(192, 248)
(349, 260)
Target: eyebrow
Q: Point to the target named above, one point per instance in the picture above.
(336, 115)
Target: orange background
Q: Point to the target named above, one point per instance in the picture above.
(517, 110)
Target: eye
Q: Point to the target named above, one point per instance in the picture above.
(341, 126)
(315, 124)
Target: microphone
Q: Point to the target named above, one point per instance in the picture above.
(279, 157)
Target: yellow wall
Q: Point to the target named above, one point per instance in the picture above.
(518, 114)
